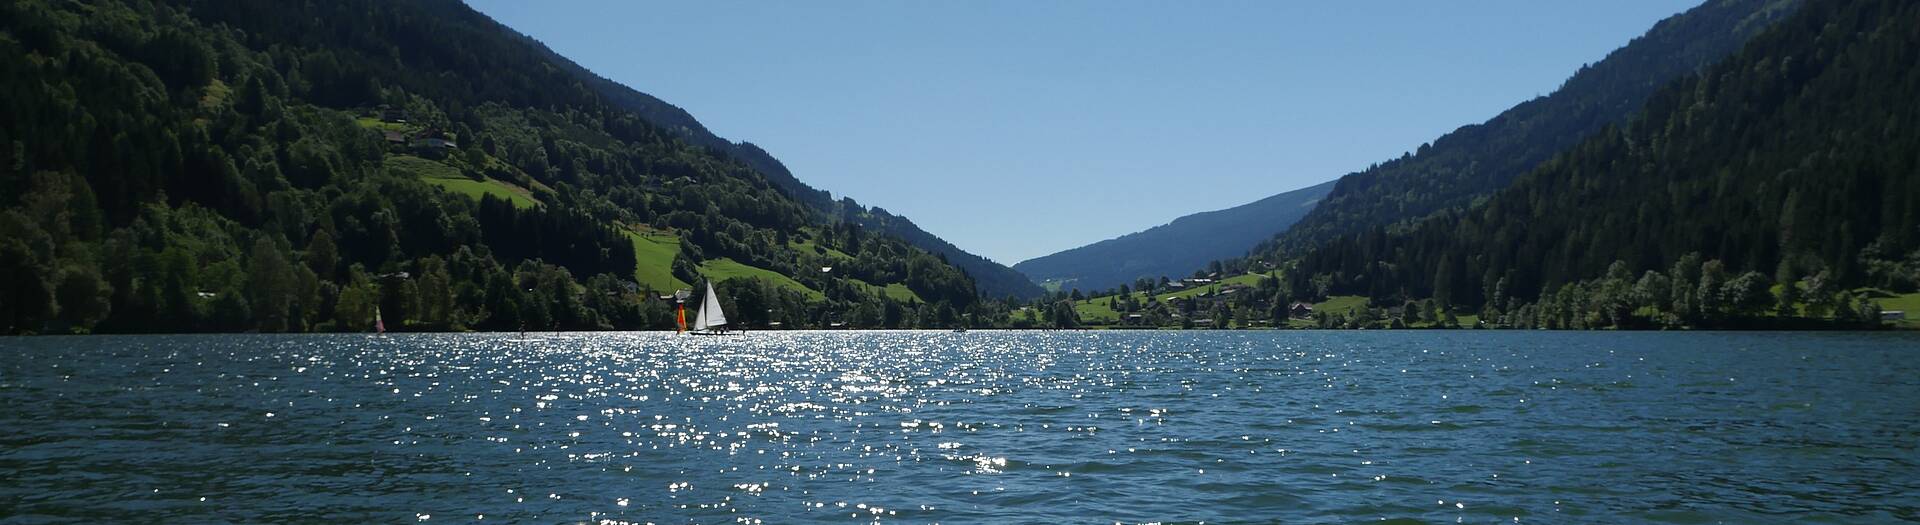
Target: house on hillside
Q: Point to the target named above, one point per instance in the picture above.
(431, 143)
(1300, 310)
(433, 138)
(392, 114)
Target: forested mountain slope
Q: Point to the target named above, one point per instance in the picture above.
(235, 165)
(1773, 182)
(1476, 160)
(994, 279)
(1177, 248)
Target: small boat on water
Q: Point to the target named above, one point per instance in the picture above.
(710, 320)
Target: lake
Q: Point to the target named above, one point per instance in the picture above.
(1005, 427)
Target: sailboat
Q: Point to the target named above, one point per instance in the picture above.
(379, 326)
(710, 320)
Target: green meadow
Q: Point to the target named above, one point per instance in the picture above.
(450, 179)
(653, 255)
(895, 291)
(723, 269)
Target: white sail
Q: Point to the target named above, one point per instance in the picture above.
(710, 314)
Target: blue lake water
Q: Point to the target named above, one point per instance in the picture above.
(1002, 427)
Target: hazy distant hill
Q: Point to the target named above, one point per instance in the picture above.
(1177, 248)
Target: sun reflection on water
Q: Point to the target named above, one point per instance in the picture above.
(905, 426)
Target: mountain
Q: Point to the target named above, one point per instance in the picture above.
(1770, 184)
(228, 165)
(1452, 171)
(1475, 160)
(1177, 248)
(994, 279)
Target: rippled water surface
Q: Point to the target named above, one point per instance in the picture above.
(914, 427)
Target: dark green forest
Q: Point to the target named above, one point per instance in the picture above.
(1763, 190)
(1773, 189)
(1469, 163)
(1452, 172)
(225, 165)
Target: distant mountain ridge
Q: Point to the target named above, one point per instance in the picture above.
(993, 279)
(1176, 248)
(1452, 171)
(1476, 160)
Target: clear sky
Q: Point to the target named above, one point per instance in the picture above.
(1016, 129)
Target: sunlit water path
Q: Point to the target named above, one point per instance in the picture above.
(915, 427)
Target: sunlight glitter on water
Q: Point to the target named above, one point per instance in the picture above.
(932, 426)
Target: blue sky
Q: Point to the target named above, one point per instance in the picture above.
(1016, 129)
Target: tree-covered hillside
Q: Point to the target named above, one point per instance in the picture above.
(993, 279)
(1475, 160)
(1773, 183)
(236, 165)
(1177, 248)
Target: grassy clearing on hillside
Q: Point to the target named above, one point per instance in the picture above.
(900, 292)
(1339, 304)
(448, 178)
(1909, 303)
(723, 269)
(808, 246)
(421, 167)
(499, 190)
(1248, 279)
(1333, 305)
(1096, 311)
(374, 123)
(653, 256)
(216, 95)
(895, 291)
